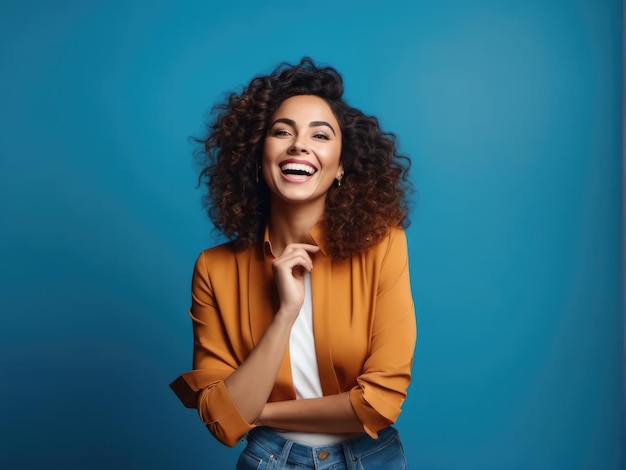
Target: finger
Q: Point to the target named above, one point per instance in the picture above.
(289, 262)
(302, 246)
(294, 251)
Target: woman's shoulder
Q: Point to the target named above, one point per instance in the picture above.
(395, 236)
(224, 253)
(217, 250)
(389, 257)
(392, 247)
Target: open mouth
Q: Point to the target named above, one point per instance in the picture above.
(297, 169)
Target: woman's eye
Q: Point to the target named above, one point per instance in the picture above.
(321, 136)
(280, 132)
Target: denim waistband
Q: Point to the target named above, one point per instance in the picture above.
(352, 449)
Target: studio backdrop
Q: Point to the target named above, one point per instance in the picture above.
(511, 114)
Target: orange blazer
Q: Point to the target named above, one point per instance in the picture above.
(363, 322)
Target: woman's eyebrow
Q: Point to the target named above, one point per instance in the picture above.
(289, 122)
(292, 123)
(322, 123)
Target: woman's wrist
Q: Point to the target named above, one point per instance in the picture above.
(287, 316)
(262, 419)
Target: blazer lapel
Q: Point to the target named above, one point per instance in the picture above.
(321, 289)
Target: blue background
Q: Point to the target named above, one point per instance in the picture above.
(511, 113)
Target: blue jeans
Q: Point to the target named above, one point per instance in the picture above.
(267, 450)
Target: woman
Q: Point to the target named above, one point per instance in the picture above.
(303, 323)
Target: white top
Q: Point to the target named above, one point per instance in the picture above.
(306, 378)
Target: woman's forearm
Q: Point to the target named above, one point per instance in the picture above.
(329, 414)
(250, 385)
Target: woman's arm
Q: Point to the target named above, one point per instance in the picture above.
(250, 385)
(375, 401)
(382, 385)
(329, 414)
(228, 390)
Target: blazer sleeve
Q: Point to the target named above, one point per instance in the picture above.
(213, 360)
(386, 374)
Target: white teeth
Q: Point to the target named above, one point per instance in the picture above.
(297, 167)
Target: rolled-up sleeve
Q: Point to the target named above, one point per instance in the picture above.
(382, 385)
(214, 359)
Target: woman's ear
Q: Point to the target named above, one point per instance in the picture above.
(340, 172)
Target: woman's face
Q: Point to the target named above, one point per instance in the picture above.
(302, 149)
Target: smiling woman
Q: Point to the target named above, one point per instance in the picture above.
(301, 155)
(304, 327)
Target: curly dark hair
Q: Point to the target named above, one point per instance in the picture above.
(373, 193)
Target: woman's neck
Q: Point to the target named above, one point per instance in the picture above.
(289, 223)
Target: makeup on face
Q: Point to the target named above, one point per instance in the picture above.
(302, 149)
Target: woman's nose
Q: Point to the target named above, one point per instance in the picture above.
(299, 147)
